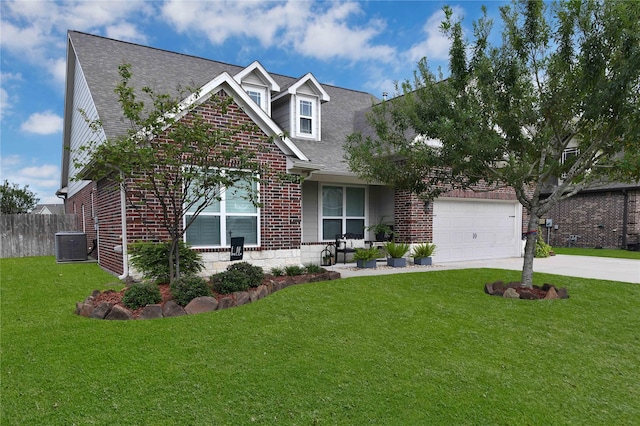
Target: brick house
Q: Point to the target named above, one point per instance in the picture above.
(303, 126)
(606, 216)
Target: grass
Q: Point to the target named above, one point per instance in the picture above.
(414, 348)
(578, 251)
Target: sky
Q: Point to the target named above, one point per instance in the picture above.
(361, 45)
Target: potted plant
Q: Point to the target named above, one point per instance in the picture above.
(380, 230)
(422, 253)
(366, 258)
(396, 252)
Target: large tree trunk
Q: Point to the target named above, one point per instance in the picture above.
(530, 251)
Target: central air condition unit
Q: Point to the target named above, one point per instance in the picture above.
(71, 246)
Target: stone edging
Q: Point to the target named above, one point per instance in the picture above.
(109, 311)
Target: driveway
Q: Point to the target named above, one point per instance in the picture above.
(602, 268)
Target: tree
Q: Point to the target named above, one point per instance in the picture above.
(564, 76)
(15, 200)
(174, 158)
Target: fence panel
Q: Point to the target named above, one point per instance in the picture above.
(33, 234)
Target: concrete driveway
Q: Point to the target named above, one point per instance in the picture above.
(603, 268)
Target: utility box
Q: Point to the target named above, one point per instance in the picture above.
(71, 246)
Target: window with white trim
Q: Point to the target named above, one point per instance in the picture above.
(343, 210)
(307, 117)
(231, 215)
(256, 96)
(567, 154)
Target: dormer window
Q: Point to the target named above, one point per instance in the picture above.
(258, 94)
(307, 117)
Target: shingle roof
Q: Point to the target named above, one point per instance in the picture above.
(170, 72)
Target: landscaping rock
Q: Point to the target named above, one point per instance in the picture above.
(526, 294)
(226, 302)
(119, 313)
(511, 293)
(172, 309)
(201, 304)
(151, 312)
(101, 310)
(242, 298)
(488, 288)
(563, 293)
(85, 309)
(551, 294)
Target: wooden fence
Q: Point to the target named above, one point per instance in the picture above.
(33, 234)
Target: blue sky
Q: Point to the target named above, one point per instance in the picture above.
(362, 45)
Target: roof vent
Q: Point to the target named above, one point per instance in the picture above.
(71, 246)
(384, 96)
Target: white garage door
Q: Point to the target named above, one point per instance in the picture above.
(475, 230)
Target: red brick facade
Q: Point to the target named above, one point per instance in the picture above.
(597, 219)
(280, 211)
(84, 206)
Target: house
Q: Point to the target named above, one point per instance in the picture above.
(605, 216)
(303, 125)
(48, 209)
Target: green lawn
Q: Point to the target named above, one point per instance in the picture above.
(406, 349)
(577, 251)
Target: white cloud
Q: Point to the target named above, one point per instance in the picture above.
(126, 31)
(435, 45)
(42, 179)
(318, 30)
(43, 123)
(4, 103)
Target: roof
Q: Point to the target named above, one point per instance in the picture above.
(171, 72)
(48, 209)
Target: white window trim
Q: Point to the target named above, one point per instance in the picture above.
(264, 102)
(225, 241)
(571, 151)
(315, 117)
(344, 218)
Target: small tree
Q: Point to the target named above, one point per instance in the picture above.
(173, 157)
(564, 76)
(15, 200)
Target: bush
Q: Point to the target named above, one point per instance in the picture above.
(312, 268)
(396, 250)
(277, 271)
(231, 281)
(423, 250)
(254, 273)
(187, 288)
(141, 294)
(542, 249)
(292, 270)
(152, 260)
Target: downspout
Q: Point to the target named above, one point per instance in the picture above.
(123, 217)
(625, 218)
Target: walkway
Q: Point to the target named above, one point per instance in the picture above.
(602, 268)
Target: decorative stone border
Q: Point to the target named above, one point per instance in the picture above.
(109, 311)
(515, 290)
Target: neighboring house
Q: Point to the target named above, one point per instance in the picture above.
(48, 209)
(606, 216)
(295, 220)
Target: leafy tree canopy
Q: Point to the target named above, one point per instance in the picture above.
(15, 200)
(564, 80)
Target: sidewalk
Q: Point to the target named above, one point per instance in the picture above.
(603, 268)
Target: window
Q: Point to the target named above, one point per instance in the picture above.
(233, 215)
(256, 96)
(567, 154)
(343, 210)
(306, 117)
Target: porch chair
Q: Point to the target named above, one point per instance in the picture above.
(348, 243)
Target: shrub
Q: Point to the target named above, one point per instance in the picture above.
(187, 288)
(292, 270)
(254, 273)
(542, 249)
(277, 271)
(230, 281)
(152, 260)
(396, 250)
(312, 268)
(366, 254)
(423, 250)
(141, 294)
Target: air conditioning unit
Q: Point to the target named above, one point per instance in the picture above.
(71, 246)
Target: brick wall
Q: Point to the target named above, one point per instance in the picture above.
(109, 226)
(596, 218)
(82, 204)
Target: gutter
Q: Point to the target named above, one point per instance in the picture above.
(123, 216)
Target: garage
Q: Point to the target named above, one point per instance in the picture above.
(476, 229)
